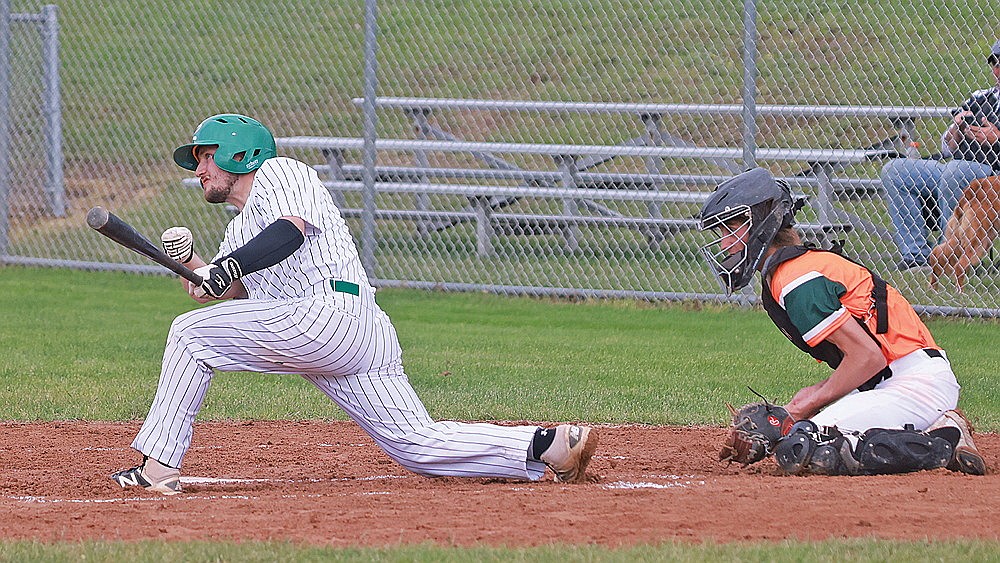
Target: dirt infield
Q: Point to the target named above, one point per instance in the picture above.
(326, 483)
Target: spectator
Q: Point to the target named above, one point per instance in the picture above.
(972, 141)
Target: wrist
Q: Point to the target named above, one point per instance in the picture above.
(232, 266)
(215, 280)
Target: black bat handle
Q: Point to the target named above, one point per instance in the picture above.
(124, 234)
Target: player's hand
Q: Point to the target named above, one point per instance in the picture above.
(798, 408)
(985, 134)
(178, 243)
(217, 278)
(196, 292)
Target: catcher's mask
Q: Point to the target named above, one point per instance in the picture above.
(243, 143)
(748, 210)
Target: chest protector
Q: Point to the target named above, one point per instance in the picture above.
(825, 351)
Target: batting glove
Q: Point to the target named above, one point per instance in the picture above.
(178, 243)
(218, 277)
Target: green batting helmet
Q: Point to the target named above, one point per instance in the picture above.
(244, 143)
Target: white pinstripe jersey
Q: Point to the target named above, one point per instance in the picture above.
(287, 187)
(295, 322)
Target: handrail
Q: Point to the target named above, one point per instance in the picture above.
(763, 153)
(781, 110)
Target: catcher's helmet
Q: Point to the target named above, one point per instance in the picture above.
(762, 205)
(244, 143)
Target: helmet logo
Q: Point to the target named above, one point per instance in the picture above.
(252, 163)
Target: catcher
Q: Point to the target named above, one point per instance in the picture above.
(889, 404)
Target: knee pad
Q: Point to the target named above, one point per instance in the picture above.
(834, 458)
(882, 451)
(793, 452)
(808, 451)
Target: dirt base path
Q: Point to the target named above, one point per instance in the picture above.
(326, 483)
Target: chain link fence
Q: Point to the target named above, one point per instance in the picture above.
(546, 147)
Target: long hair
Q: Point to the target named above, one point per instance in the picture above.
(786, 236)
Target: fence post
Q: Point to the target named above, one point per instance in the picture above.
(571, 207)
(54, 186)
(422, 202)
(749, 83)
(370, 132)
(335, 173)
(651, 121)
(4, 125)
(484, 226)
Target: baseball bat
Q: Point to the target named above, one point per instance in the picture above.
(109, 225)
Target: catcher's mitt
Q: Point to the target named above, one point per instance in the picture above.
(757, 427)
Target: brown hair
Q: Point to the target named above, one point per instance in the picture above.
(786, 236)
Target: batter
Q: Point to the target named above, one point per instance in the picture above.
(297, 301)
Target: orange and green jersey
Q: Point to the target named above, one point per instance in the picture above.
(820, 291)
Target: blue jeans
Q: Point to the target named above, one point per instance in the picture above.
(908, 182)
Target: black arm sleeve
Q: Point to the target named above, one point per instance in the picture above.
(272, 245)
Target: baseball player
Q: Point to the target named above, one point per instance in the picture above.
(888, 406)
(296, 300)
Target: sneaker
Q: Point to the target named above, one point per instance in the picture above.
(570, 452)
(151, 475)
(966, 457)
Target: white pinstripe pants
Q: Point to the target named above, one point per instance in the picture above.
(347, 347)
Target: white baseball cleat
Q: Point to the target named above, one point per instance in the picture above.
(570, 452)
(966, 457)
(151, 475)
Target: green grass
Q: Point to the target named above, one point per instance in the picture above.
(820, 552)
(137, 76)
(607, 259)
(87, 345)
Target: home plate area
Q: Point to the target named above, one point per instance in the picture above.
(326, 483)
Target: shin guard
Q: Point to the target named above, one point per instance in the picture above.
(882, 451)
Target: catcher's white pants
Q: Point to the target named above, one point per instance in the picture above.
(347, 347)
(921, 388)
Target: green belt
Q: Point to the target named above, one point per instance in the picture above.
(345, 287)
